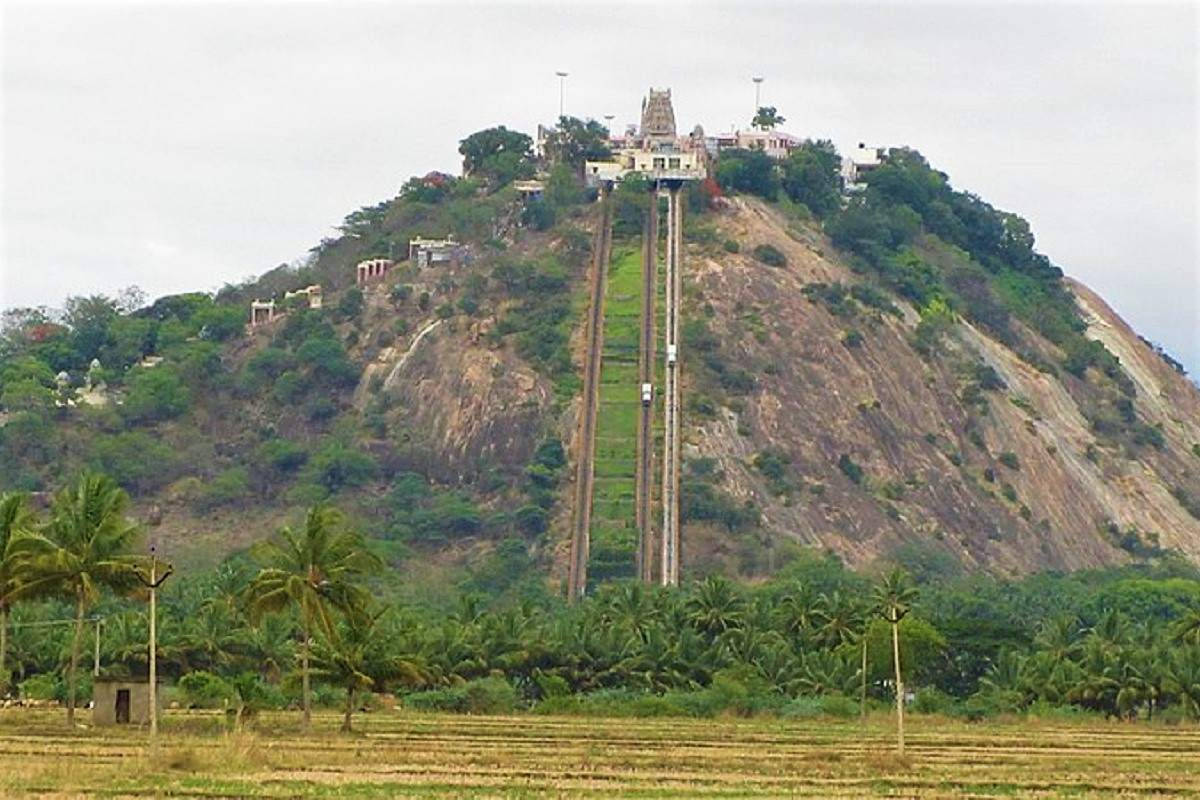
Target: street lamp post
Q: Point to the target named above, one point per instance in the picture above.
(757, 88)
(562, 77)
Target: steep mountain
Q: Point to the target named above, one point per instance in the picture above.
(936, 403)
(853, 440)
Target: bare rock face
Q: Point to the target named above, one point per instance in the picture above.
(468, 407)
(1012, 481)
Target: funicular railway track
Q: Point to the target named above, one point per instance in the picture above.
(645, 434)
(671, 403)
(585, 465)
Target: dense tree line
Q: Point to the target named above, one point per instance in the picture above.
(311, 606)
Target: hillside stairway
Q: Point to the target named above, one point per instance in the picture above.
(614, 535)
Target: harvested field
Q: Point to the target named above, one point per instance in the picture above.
(401, 754)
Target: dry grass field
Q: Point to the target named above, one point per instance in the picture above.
(400, 754)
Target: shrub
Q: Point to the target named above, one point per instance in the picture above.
(270, 362)
(42, 687)
(836, 705)
(770, 255)
(156, 394)
(336, 466)
(773, 464)
(219, 323)
(1152, 435)
(202, 689)
(1009, 459)
(987, 377)
(802, 708)
(401, 292)
(136, 460)
(698, 336)
(811, 177)
(327, 361)
(874, 298)
(731, 246)
(320, 408)
(481, 696)
(852, 338)
(538, 214)
(751, 171)
(227, 487)
(281, 455)
(1184, 497)
(532, 519)
(991, 702)
(736, 381)
(833, 295)
(936, 321)
(850, 469)
(930, 700)
(290, 387)
(702, 405)
(450, 514)
(350, 305)
(702, 501)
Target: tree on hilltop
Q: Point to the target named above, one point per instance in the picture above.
(497, 155)
(767, 118)
(575, 141)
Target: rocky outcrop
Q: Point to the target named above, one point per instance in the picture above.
(469, 407)
(1011, 479)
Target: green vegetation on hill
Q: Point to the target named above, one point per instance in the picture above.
(951, 255)
(614, 535)
(202, 420)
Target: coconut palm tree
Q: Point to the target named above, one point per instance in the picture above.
(894, 596)
(826, 672)
(715, 606)
(842, 621)
(83, 550)
(1183, 678)
(16, 520)
(797, 610)
(1186, 629)
(314, 570)
(270, 646)
(361, 659)
(1058, 637)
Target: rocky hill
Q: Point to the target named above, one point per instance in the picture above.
(855, 441)
(828, 402)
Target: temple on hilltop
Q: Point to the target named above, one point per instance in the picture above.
(658, 116)
(653, 149)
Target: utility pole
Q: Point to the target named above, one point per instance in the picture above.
(757, 88)
(96, 654)
(562, 78)
(152, 584)
(608, 118)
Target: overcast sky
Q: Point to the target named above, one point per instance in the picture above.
(179, 146)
